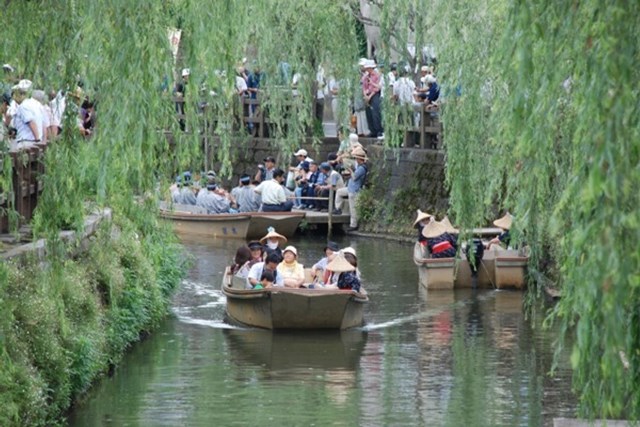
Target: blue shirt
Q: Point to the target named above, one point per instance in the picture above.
(356, 181)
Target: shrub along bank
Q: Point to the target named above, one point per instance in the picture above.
(66, 323)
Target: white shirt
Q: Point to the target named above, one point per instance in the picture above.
(241, 85)
(58, 104)
(404, 89)
(256, 273)
(28, 111)
(272, 192)
(321, 83)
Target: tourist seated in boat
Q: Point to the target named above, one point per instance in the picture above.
(438, 242)
(290, 269)
(183, 193)
(257, 252)
(452, 232)
(346, 271)
(504, 239)
(319, 270)
(272, 241)
(274, 198)
(271, 264)
(422, 219)
(241, 262)
(216, 200)
(245, 196)
(266, 280)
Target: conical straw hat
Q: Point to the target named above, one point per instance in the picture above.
(433, 229)
(504, 222)
(447, 225)
(339, 264)
(421, 216)
(271, 234)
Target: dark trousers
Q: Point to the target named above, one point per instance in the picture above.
(282, 207)
(374, 115)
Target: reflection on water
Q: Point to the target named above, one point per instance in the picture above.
(463, 358)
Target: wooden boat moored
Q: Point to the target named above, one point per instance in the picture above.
(434, 273)
(289, 308)
(285, 223)
(189, 219)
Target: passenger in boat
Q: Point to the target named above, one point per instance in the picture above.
(437, 242)
(257, 252)
(187, 196)
(346, 271)
(245, 196)
(241, 262)
(272, 241)
(351, 256)
(266, 280)
(290, 269)
(274, 198)
(271, 264)
(319, 270)
(422, 219)
(216, 200)
(504, 239)
(452, 233)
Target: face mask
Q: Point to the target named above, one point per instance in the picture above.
(272, 245)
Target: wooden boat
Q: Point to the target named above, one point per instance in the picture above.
(499, 269)
(289, 308)
(434, 273)
(285, 223)
(192, 220)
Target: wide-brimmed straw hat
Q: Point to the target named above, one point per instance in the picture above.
(433, 229)
(421, 216)
(271, 234)
(339, 264)
(291, 249)
(447, 224)
(504, 222)
(359, 153)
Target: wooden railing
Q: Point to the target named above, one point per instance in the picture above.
(26, 186)
(255, 121)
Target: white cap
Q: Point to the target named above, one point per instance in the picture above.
(362, 61)
(8, 67)
(424, 68)
(349, 250)
(353, 137)
(291, 249)
(23, 85)
(301, 152)
(185, 72)
(430, 78)
(370, 63)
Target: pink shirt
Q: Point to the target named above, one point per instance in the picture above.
(371, 83)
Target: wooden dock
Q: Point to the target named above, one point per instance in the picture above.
(315, 217)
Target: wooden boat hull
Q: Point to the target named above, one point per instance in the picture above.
(187, 220)
(434, 273)
(285, 223)
(287, 308)
(499, 269)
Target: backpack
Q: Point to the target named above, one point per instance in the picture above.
(365, 180)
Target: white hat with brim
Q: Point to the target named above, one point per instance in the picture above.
(273, 235)
(339, 264)
(370, 63)
(23, 85)
(291, 249)
(421, 216)
(433, 229)
(362, 61)
(349, 250)
(447, 224)
(504, 222)
(301, 152)
(8, 67)
(359, 153)
(353, 137)
(424, 68)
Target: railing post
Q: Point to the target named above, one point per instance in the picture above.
(330, 212)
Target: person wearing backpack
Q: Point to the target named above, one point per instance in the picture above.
(355, 184)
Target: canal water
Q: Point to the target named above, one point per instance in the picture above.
(458, 358)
